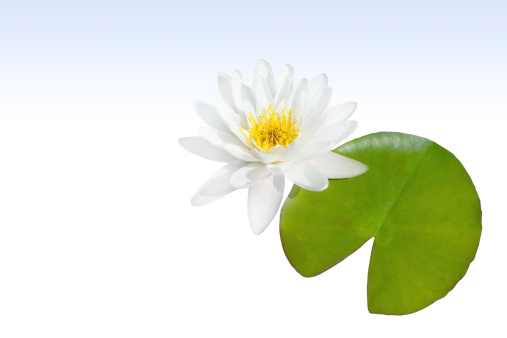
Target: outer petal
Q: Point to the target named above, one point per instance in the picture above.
(218, 137)
(311, 129)
(334, 165)
(304, 153)
(308, 177)
(240, 152)
(264, 70)
(248, 175)
(313, 150)
(209, 114)
(217, 185)
(335, 132)
(199, 146)
(341, 112)
(264, 199)
(225, 88)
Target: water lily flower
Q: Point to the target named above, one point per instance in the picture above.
(270, 131)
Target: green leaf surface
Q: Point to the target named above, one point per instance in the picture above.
(416, 200)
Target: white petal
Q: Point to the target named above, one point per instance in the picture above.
(227, 114)
(240, 152)
(217, 185)
(240, 92)
(311, 127)
(248, 109)
(313, 150)
(334, 165)
(264, 70)
(281, 105)
(209, 114)
(285, 83)
(286, 75)
(341, 112)
(317, 85)
(201, 147)
(262, 94)
(225, 88)
(264, 199)
(320, 102)
(218, 137)
(302, 153)
(298, 100)
(275, 149)
(264, 157)
(335, 132)
(287, 158)
(248, 175)
(287, 153)
(280, 168)
(234, 129)
(307, 177)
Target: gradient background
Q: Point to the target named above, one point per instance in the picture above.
(150, 58)
(97, 235)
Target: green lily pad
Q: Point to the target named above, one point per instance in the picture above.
(416, 200)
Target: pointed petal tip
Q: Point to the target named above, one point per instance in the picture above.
(364, 169)
(321, 188)
(361, 168)
(353, 126)
(353, 107)
(257, 230)
(258, 227)
(195, 102)
(196, 201)
(237, 74)
(183, 142)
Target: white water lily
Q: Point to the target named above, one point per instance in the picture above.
(269, 132)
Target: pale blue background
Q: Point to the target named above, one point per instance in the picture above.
(150, 58)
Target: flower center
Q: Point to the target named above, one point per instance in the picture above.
(270, 129)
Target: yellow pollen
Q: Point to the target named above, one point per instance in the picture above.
(269, 129)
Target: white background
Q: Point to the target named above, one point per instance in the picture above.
(98, 239)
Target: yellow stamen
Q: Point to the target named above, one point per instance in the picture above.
(269, 129)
